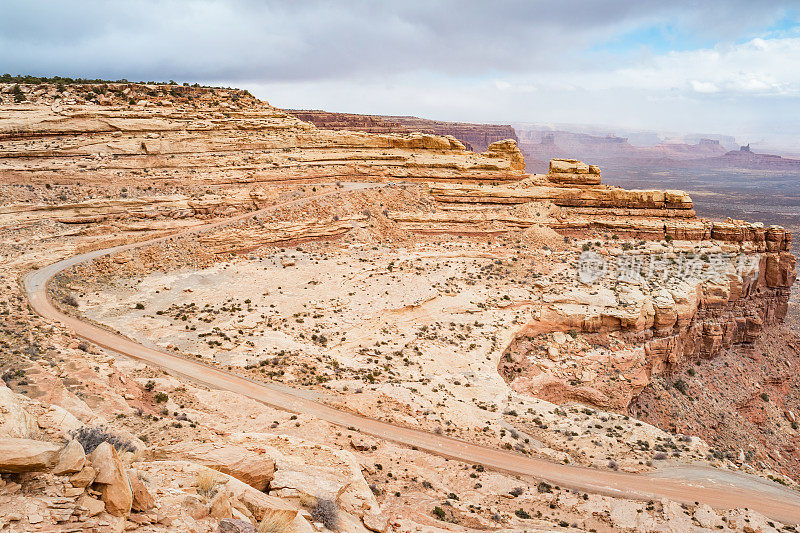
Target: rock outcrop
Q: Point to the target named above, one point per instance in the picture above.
(71, 459)
(475, 137)
(248, 467)
(26, 455)
(115, 488)
(15, 422)
(216, 137)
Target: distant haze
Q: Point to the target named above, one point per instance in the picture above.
(727, 67)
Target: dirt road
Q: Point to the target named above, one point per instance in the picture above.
(715, 488)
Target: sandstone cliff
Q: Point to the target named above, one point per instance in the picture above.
(476, 137)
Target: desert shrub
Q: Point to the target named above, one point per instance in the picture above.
(681, 386)
(83, 346)
(206, 481)
(140, 305)
(612, 464)
(161, 397)
(150, 385)
(18, 95)
(517, 491)
(573, 333)
(660, 456)
(91, 437)
(276, 522)
(765, 396)
(521, 513)
(543, 487)
(70, 300)
(326, 512)
(439, 513)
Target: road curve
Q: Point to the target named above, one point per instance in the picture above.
(715, 490)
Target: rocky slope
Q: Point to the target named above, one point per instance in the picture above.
(476, 137)
(397, 275)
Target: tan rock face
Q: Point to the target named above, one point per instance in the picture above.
(15, 422)
(84, 478)
(573, 171)
(142, 500)
(26, 455)
(276, 146)
(115, 489)
(94, 507)
(508, 149)
(675, 321)
(71, 459)
(220, 507)
(249, 467)
(475, 137)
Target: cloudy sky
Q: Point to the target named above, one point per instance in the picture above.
(728, 67)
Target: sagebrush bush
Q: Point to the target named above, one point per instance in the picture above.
(325, 511)
(92, 437)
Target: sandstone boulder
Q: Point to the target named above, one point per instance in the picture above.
(93, 507)
(142, 499)
(115, 489)
(508, 149)
(71, 459)
(254, 503)
(84, 478)
(249, 467)
(26, 455)
(15, 422)
(58, 421)
(220, 506)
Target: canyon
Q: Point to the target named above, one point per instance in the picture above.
(374, 270)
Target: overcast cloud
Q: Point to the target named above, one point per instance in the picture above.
(727, 67)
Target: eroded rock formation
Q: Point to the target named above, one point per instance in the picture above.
(476, 137)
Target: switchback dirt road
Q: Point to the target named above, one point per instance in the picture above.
(698, 484)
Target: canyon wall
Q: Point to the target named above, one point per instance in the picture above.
(693, 287)
(179, 152)
(217, 136)
(476, 137)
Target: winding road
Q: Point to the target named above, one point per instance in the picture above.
(719, 489)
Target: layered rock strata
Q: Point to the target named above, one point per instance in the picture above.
(214, 137)
(476, 137)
